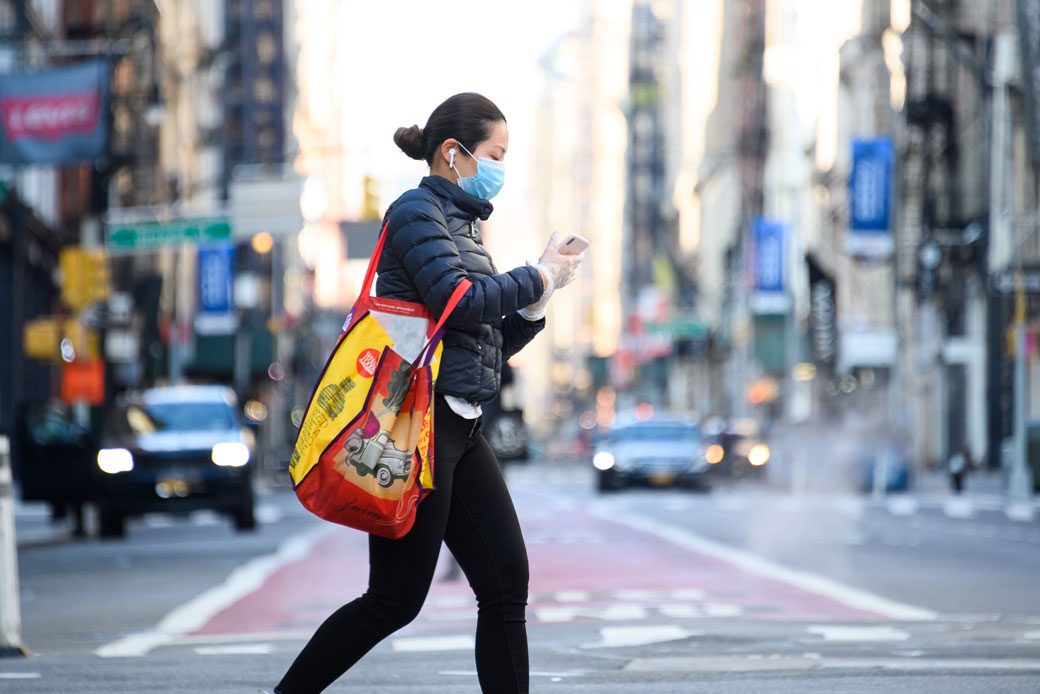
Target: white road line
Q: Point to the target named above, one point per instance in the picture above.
(608, 613)
(959, 508)
(622, 637)
(206, 518)
(533, 673)
(20, 675)
(680, 611)
(858, 634)
(813, 583)
(572, 596)
(716, 610)
(1031, 635)
(237, 649)
(1020, 512)
(199, 610)
(636, 595)
(268, 514)
(902, 506)
(428, 644)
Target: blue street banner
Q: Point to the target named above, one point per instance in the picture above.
(768, 290)
(870, 198)
(55, 116)
(216, 265)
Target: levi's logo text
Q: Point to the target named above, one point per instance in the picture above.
(50, 117)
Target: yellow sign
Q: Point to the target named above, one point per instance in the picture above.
(41, 339)
(370, 211)
(83, 340)
(84, 276)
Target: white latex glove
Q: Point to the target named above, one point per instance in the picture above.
(558, 266)
(572, 271)
(536, 311)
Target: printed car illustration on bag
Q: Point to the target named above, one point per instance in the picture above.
(378, 457)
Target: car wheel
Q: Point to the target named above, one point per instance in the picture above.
(606, 485)
(111, 524)
(384, 476)
(245, 519)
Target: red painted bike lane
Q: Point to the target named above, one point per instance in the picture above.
(583, 568)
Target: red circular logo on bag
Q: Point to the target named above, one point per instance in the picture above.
(367, 362)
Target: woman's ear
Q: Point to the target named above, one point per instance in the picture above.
(449, 150)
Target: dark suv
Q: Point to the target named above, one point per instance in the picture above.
(175, 449)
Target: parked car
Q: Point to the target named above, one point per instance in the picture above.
(737, 449)
(175, 449)
(56, 460)
(503, 422)
(660, 451)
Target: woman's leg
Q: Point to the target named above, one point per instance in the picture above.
(484, 535)
(400, 573)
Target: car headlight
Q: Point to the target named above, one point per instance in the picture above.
(115, 460)
(231, 454)
(603, 460)
(714, 454)
(758, 455)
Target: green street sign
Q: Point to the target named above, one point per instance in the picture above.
(146, 236)
(681, 328)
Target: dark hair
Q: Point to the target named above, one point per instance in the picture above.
(465, 117)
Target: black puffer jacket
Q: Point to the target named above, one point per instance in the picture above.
(432, 244)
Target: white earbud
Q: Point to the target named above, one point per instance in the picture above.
(451, 153)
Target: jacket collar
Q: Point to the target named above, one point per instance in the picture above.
(470, 204)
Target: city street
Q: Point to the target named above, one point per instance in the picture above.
(744, 589)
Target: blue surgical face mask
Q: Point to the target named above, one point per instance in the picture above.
(491, 176)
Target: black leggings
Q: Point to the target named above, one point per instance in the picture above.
(471, 511)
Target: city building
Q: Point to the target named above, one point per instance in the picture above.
(729, 188)
(580, 135)
(967, 223)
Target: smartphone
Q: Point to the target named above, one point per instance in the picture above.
(573, 244)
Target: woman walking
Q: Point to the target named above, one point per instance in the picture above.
(434, 242)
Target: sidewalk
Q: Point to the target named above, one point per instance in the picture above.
(34, 527)
(984, 490)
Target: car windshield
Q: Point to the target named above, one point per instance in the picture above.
(178, 416)
(657, 432)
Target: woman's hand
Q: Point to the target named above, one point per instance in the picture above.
(557, 271)
(560, 268)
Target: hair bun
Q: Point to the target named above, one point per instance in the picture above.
(410, 140)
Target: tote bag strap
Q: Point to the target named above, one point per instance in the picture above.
(370, 273)
(426, 354)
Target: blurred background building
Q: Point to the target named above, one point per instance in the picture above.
(809, 213)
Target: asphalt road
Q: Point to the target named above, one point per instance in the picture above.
(740, 590)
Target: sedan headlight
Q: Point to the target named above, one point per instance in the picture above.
(758, 455)
(714, 454)
(231, 454)
(603, 460)
(115, 460)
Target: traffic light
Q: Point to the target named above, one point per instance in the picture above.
(371, 211)
(85, 277)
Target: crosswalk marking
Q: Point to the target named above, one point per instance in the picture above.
(620, 637)
(426, 644)
(831, 632)
(237, 649)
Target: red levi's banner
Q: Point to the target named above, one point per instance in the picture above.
(50, 117)
(55, 116)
